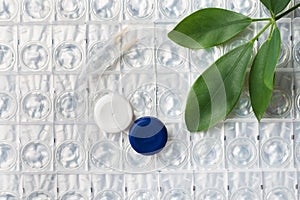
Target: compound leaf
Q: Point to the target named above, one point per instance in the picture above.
(275, 6)
(216, 91)
(208, 27)
(261, 79)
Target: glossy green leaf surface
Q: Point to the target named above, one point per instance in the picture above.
(261, 80)
(208, 27)
(276, 6)
(216, 91)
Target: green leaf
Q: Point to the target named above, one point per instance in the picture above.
(261, 80)
(208, 27)
(275, 6)
(217, 90)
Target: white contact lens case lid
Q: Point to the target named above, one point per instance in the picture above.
(113, 113)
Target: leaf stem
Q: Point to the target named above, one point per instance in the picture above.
(287, 12)
(271, 31)
(261, 32)
(261, 19)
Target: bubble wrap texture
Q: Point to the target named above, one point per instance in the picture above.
(50, 147)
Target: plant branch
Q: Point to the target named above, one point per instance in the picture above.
(287, 12)
(261, 32)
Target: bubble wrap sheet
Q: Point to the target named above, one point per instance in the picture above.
(50, 147)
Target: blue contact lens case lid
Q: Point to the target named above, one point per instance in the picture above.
(148, 135)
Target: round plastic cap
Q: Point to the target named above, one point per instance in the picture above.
(113, 113)
(148, 135)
